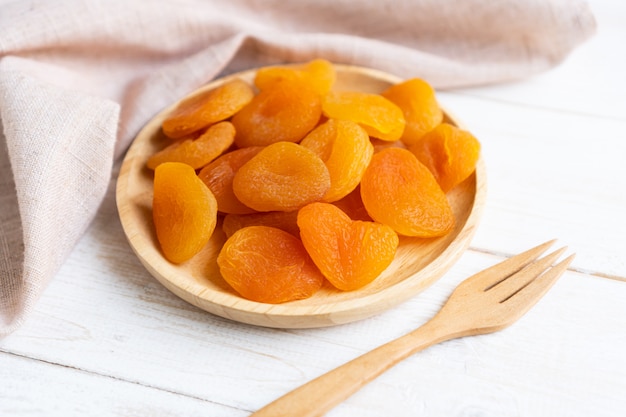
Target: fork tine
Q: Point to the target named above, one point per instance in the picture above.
(513, 283)
(493, 275)
(528, 296)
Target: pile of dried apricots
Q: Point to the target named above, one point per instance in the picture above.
(308, 184)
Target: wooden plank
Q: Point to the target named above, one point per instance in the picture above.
(574, 118)
(34, 388)
(116, 321)
(550, 174)
(547, 364)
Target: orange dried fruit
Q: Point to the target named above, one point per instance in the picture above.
(449, 153)
(401, 192)
(184, 211)
(207, 108)
(197, 152)
(283, 176)
(283, 220)
(283, 112)
(319, 74)
(219, 175)
(379, 117)
(268, 265)
(419, 105)
(352, 205)
(379, 145)
(349, 253)
(345, 148)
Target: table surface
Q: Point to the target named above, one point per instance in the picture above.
(107, 339)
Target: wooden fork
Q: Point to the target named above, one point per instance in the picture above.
(486, 302)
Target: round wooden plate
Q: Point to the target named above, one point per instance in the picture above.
(418, 263)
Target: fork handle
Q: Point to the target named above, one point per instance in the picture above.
(318, 396)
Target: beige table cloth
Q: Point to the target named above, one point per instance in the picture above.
(79, 78)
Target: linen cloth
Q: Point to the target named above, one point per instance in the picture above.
(79, 78)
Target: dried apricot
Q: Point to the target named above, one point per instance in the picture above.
(349, 253)
(378, 116)
(346, 150)
(283, 220)
(419, 105)
(219, 174)
(197, 152)
(401, 192)
(449, 153)
(283, 176)
(268, 265)
(379, 145)
(184, 211)
(352, 205)
(283, 112)
(319, 74)
(320, 185)
(207, 108)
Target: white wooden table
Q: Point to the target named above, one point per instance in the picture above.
(107, 339)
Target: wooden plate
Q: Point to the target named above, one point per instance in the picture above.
(418, 263)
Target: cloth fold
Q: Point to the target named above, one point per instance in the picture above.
(79, 78)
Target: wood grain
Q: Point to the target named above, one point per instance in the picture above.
(488, 301)
(91, 394)
(107, 339)
(418, 262)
